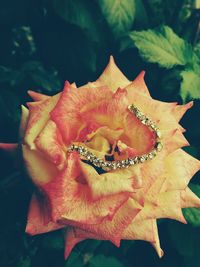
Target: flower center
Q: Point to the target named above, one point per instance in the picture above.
(125, 163)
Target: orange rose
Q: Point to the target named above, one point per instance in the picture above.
(95, 156)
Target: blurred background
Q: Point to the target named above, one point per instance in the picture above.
(45, 42)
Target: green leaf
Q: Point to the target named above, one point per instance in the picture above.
(101, 260)
(190, 85)
(78, 13)
(197, 49)
(141, 17)
(192, 215)
(118, 14)
(161, 46)
(155, 11)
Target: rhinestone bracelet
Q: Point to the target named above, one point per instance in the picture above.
(125, 163)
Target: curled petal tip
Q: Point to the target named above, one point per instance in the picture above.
(112, 58)
(161, 254)
(183, 220)
(37, 96)
(190, 104)
(142, 73)
(67, 86)
(67, 83)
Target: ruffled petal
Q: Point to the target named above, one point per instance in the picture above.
(114, 114)
(108, 133)
(173, 140)
(140, 230)
(50, 142)
(39, 220)
(68, 113)
(139, 85)
(38, 117)
(71, 200)
(113, 229)
(80, 233)
(110, 112)
(144, 230)
(120, 181)
(70, 241)
(179, 169)
(98, 145)
(112, 77)
(166, 205)
(180, 110)
(40, 170)
(156, 243)
(189, 199)
(37, 96)
(137, 135)
(150, 172)
(101, 140)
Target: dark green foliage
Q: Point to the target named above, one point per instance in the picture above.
(43, 43)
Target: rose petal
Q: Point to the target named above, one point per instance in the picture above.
(139, 85)
(137, 135)
(39, 220)
(156, 243)
(112, 77)
(168, 205)
(108, 133)
(50, 142)
(37, 96)
(173, 140)
(179, 169)
(80, 233)
(38, 117)
(70, 107)
(70, 241)
(140, 230)
(113, 229)
(110, 112)
(189, 199)
(149, 172)
(120, 181)
(39, 169)
(180, 110)
(71, 199)
(98, 145)
(144, 230)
